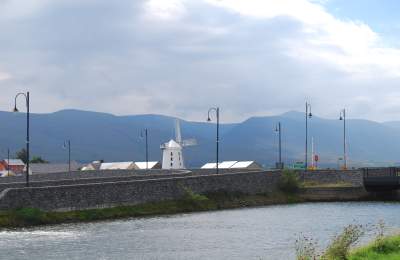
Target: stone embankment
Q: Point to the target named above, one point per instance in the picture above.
(131, 189)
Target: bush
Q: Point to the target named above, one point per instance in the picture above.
(289, 181)
(194, 201)
(340, 247)
(306, 249)
(30, 216)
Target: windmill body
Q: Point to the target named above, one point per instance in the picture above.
(172, 151)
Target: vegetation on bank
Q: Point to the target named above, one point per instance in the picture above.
(338, 249)
(387, 248)
(192, 202)
(289, 182)
(341, 245)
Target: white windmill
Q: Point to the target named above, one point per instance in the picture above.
(172, 157)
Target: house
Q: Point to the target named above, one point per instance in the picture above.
(209, 166)
(15, 165)
(6, 173)
(118, 166)
(39, 168)
(248, 165)
(95, 165)
(226, 164)
(149, 165)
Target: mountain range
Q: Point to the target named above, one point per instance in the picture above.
(96, 136)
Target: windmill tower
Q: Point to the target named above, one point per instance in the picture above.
(172, 157)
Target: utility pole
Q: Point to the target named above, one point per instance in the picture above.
(8, 161)
(308, 115)
(343, 118)
(145, 133)
(67, 144)
(278, 129)
(216, 110)
(26, 95)
(69, 156)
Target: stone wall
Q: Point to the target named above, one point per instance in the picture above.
(106, 192)
(84, 196)
(58, 179)
(334, 194)
(332, 176)
(108, 173)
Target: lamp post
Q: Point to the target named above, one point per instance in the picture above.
(278, 130)
(216, 110)
(27, 130)
(144, 133)
(8, 161)
(343, 118)
(67, 144)
(308, 115)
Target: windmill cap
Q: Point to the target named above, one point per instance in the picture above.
(172, 144)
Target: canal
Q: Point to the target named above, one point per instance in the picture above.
(250, 233)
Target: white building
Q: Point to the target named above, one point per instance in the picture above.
(172, 151)
(226, 164)
(209, 166)
(148, 165)
(118, 166)
(250, 165)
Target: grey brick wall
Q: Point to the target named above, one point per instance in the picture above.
(84, 196)
(131, 191)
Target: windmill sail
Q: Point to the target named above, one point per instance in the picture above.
(178, 136)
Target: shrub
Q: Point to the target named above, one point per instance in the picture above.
(30, 216)
(306, 249)
(289, 181)
(194, 201)
(340, 247)
(190, 195)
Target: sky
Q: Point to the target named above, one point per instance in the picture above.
(181, 57)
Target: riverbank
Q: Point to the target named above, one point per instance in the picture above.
(190, 203)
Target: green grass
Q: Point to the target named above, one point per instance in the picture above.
(191, 203)
(312, 184)
(387, 248)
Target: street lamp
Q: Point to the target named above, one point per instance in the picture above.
(278, 129)
(8, 161)
(67, 144)
(144, 133)
(342, 117)
(27, 130)
(216, 110)
(308, 115)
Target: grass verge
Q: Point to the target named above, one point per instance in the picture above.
(387, 248)
(191, 203)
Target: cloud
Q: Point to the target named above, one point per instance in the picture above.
(4, 75)
(180, 57)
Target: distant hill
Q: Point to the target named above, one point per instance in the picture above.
(97, 136)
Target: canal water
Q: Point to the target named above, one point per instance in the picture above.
(252, 233)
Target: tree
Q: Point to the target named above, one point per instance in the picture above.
(38, 159)
(22, 155)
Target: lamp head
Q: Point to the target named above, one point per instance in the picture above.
(309, 115)
(208, 119)
(340, 118)
(15, 109)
